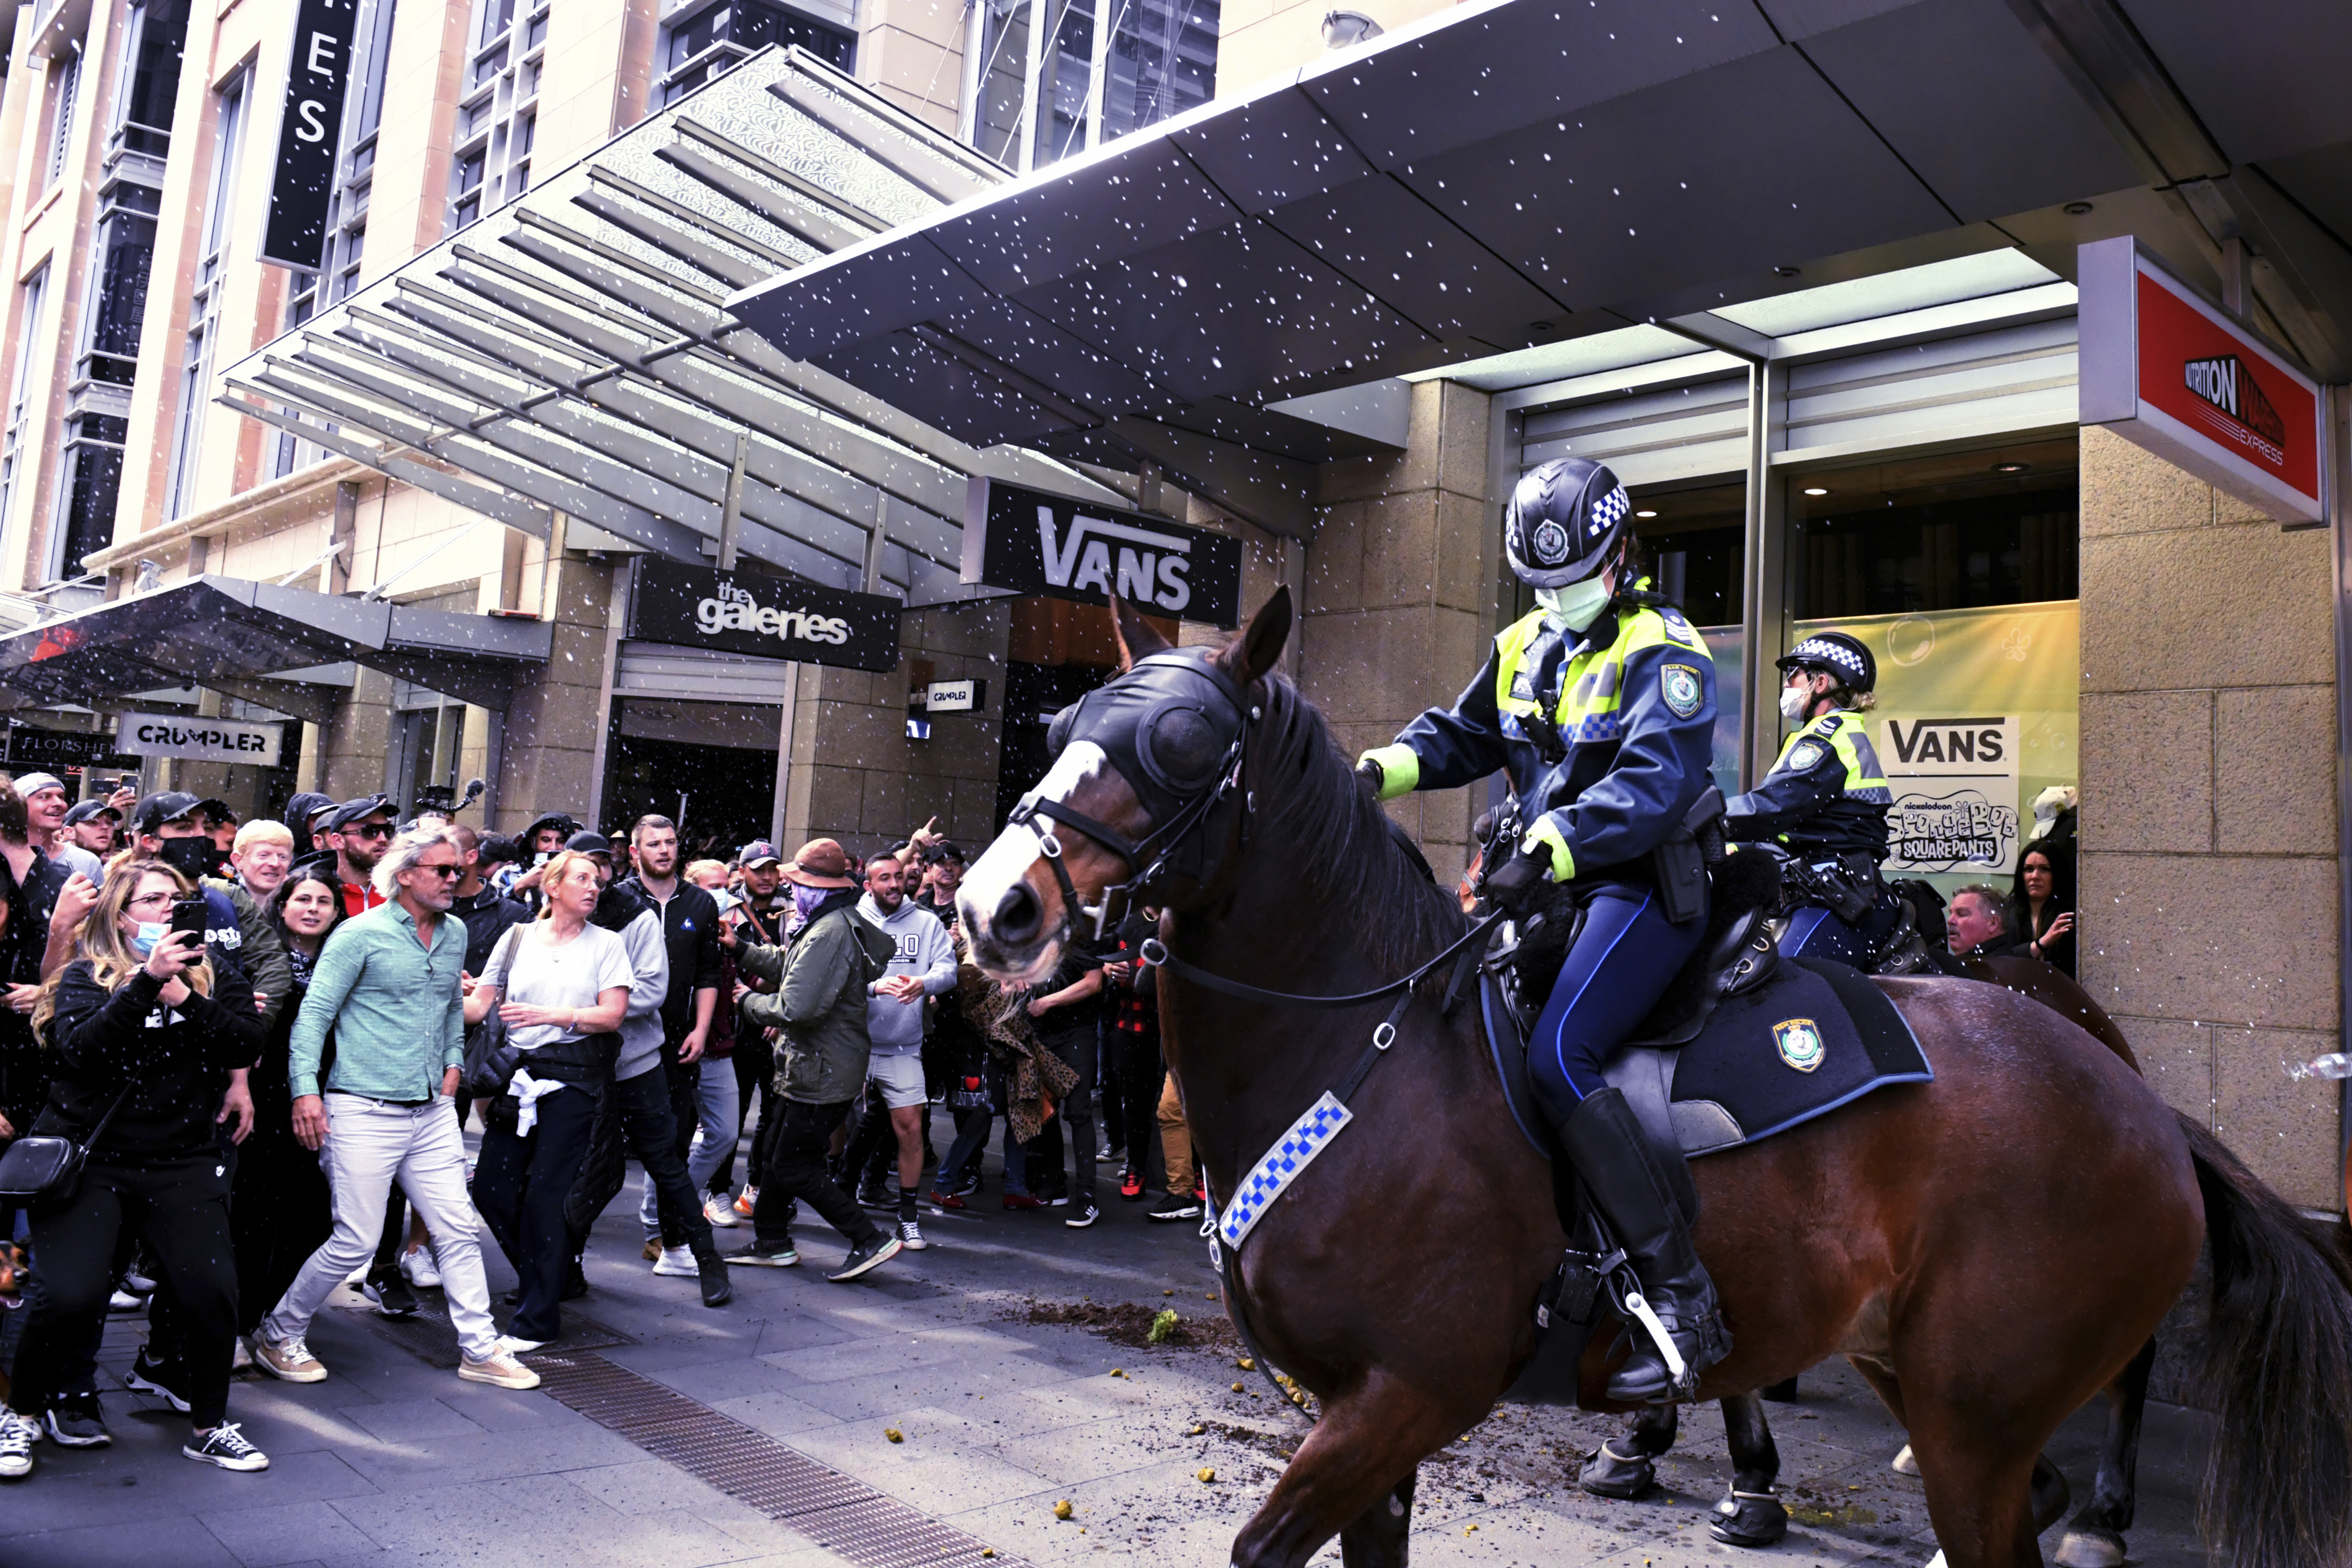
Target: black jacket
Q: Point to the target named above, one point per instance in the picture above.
(690, 933)
(25, 1067)
(180, 1056)
(487, 915)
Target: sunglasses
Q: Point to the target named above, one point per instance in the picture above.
(445, 870)
(372, 830)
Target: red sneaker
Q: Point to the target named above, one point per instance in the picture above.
(946, 1200)
(1130, 1185)
(1021, 1201)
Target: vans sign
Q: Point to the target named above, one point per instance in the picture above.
(1955, 782)
(766, 617)
(198, 739)
(1033, 542)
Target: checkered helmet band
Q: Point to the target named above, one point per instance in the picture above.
(1842, 656)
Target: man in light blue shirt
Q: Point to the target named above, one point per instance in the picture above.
(387, 984)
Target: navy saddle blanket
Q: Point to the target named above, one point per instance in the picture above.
(1815, 1036)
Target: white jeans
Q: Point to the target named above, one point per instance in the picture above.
(714, 1102)
(371, 1145)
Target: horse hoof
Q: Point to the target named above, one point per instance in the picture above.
(1904, 1463)
(2091, 1547)
(1606, 1475)
(1748, 1519)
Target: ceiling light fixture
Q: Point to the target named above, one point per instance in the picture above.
(1815, 490)
(2011, 467)
(1651, 513)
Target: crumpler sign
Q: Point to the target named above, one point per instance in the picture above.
(2168, 370)
(766, 617)
(310, 134)
(1033, 542)
(198, 739)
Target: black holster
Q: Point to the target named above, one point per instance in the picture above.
(1680, 864)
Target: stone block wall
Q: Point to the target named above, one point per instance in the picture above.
(2209, 865)
(1399, 601)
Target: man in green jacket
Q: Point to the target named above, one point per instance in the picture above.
(819, 1008)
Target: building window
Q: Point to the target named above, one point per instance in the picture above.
(152, 40)
(92, 481)
(347, 206)
(1081, 90)
(64, 83)
(15, 452)
(700, 44)
(204, 303)
(498, 120)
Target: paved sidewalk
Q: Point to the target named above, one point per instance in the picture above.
(393, 1462)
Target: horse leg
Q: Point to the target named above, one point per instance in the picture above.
(1377, 1537)
(2096, 1539)
(1980, 1496)
(1750, 1514)
(1359, 1457)
(1627, 1474)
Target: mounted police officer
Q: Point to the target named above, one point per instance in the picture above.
(1825, 803)
(1600, 707)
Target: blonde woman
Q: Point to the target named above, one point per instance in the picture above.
(140, 1023)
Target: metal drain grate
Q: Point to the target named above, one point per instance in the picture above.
(845, 1517)
(432, 1338)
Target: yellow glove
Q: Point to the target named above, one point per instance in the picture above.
(1545, 838)
(1399, 768)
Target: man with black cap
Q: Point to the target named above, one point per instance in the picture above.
(92, 827)
(357, 832)
(636, 1109)
(302, 814)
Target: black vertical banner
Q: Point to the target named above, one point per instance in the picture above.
(309, 133)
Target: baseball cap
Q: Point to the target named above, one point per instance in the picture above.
(353, 811)
(760, 852)
(820, 863)
(31, 785)
(946, 849)
(168, 805)
(587, 841)
(90, 808)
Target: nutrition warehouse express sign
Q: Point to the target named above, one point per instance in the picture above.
(1033, 543)
(766, 617)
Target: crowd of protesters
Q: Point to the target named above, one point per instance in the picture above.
(263, 1046)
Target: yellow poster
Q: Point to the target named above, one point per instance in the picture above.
(1976, 717)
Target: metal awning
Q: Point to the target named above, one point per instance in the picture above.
(231, 636)
(573, 352)
(1512, 173)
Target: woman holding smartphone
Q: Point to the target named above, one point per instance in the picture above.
(139, 1019)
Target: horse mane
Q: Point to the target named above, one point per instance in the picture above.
(1310, 798)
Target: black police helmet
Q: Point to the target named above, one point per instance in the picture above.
(1563, 521)
(1841, 656)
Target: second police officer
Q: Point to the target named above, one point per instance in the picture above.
(1600, 707)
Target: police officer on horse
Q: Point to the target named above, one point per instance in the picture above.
(1825, 803)
(1599, 707)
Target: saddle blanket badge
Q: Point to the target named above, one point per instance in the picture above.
(1800, 1043)
(1281, 1165)
(1680, 685)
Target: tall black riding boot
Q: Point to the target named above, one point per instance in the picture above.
(1611, 1153)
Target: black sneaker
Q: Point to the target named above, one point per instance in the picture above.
(971, 1182)
(226, 1445)
(1084, 1216)
(390, 1295)
(764, 1255)
(875, 1196)
(866, 1257)
(1175, 1205)
(165, 1382)
(75, 1421)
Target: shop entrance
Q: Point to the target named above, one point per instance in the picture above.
(1059, 651)
(722, 798)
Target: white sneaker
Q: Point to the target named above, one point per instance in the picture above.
(678, 1263)
(124, 1301)
(17, 1433)
(291, 1361)
(226, 1445)
(720, 1212)
(422, 1270)
(242, 1361)
(910, 1236)
(499, 1367)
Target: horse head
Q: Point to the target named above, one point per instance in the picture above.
(1137, 807)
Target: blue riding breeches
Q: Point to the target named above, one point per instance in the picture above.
(1622, 963)
(1815, 933)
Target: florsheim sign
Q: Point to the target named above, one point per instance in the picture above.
(1033, 542)
(310, 134)
(767, 617)
(2170, 371)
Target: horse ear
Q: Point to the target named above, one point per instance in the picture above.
(1136, 638)
(1251, 655)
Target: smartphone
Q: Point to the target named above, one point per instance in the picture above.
(190, 914)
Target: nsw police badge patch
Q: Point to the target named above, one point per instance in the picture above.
(1805, 755)
(1800, 1043)
(1680, 685)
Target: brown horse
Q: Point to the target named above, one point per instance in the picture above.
(1991, 1249)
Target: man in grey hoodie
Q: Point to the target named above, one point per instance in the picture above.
(924, 965)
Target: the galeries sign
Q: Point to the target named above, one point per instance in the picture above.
(766, 617)
(1037, 543)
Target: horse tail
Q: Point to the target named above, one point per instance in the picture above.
(2277, 1367)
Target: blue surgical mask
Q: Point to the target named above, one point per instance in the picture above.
(149, 933)
(1578, 604)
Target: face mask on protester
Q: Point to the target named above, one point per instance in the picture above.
(806, 900)
(191, 856)
(149, 933)
(1578, 604)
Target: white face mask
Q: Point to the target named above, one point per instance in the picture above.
(1794, 700)
(1578, 604)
